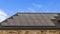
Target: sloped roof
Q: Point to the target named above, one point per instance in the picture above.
(30, 19)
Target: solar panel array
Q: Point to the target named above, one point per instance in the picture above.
(30, 20)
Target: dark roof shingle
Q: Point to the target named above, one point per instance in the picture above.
(30, 19)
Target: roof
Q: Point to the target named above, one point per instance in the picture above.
(32, 19)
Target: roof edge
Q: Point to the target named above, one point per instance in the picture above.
(30, 28)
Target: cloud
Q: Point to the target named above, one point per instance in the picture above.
(31, 10)
(20, 10)
(37, 5)
(3, 15)
(27, 10)
(34, 9)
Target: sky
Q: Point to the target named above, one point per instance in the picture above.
(10, 7)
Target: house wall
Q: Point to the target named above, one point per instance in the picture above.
(29, 31)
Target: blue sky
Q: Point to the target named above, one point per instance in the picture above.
(10, 7)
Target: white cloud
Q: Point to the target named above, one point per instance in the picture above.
(37, 5)
(22, 11)
(28, 10)
(3, 15)
(31, 10)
